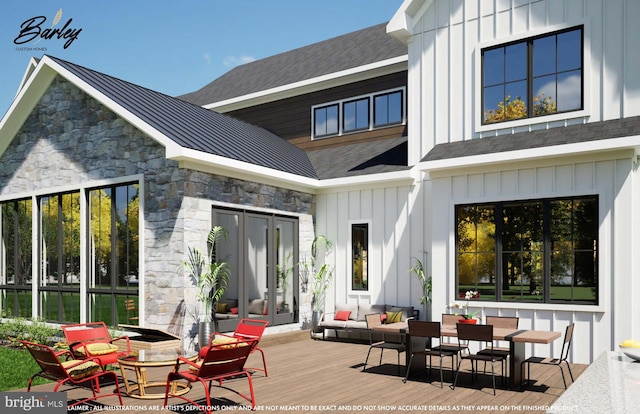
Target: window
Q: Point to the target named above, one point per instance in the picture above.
(112, 254)
(542, 251)
(363, 113)
(326, 121)
(533, 77)
(356, 115)
(388, 109)
(113, 245)
(360, 255)
(15, 251)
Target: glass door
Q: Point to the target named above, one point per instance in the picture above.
(258, 273)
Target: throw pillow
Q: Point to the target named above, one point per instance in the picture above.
(342, 315)
(98, 349)
(80, 371)
(234, 311)
(393, 317)
(383, 317)
(222, 307)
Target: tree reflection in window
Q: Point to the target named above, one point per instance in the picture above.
(360, 255)
(533, 77)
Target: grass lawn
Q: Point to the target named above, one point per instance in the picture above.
(17, 367)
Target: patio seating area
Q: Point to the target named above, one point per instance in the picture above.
(314, 376)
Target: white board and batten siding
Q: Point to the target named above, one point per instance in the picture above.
(445, 67)
(397, 233)
(445, 63)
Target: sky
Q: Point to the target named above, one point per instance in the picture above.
(165, 45)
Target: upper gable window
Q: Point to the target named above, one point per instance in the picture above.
(533, 77)
(361, 113)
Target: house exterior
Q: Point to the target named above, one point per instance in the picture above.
(494, 141)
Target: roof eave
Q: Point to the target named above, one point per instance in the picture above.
(215, 164)
(381, 68)
(401, 24)
(454, 165)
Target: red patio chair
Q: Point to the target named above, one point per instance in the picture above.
(253, 329)
(70, 371)
(93, 341)
(219, 362)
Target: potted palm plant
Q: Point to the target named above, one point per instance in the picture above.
(425, 283)
(322, 273)
(212, 279)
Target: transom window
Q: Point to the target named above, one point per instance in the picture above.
(541, 251)
(362, 113)
(533, 77)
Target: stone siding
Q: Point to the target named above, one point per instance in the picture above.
(71, 141)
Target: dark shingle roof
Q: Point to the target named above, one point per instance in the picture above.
(344, 52)
(536, 139)
(369, 157)
(194, 127)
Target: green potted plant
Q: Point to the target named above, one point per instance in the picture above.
(212, 279)
(425, 283)
(322, 273)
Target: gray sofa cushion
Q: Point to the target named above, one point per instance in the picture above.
(256, 306)
(366, 308)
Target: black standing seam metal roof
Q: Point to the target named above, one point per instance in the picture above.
(348, 51)
(197, 128)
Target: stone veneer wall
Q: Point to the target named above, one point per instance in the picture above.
(71, 140)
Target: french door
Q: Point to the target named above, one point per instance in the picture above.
(262, 253)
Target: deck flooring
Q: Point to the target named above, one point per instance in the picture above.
(316, 376)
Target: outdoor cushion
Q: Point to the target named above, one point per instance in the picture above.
(98, 349)
(256, 306)
(222, 307)
(353, 308)
(393, 317)
(342, 315)
(86, 369)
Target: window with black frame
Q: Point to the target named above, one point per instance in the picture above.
(360, 256)
(541, 251)
(533, 77)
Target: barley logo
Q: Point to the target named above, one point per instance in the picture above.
(32, 29)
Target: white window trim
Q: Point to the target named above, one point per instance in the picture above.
(340, 104)
(350, 289)
(564, 116)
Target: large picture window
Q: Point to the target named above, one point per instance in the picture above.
(533, 77)
(112, 253)
(541, 251)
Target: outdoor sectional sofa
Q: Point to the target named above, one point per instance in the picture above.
(351, 317)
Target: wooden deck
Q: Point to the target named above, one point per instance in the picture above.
(315, 376)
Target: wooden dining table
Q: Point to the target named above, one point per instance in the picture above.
(517, 338)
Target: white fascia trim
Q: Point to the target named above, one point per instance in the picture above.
(395, 178)
(310, 85)
(31, 67)
(112, 105)
(630, 142)
(228, 167)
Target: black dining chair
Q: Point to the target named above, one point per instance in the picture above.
(564, 354)
(510, 322)
(374, 320)
(427, 331)
(483, 334)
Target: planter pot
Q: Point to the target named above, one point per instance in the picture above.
(315, 321)
(205, 329)
(468, 321)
